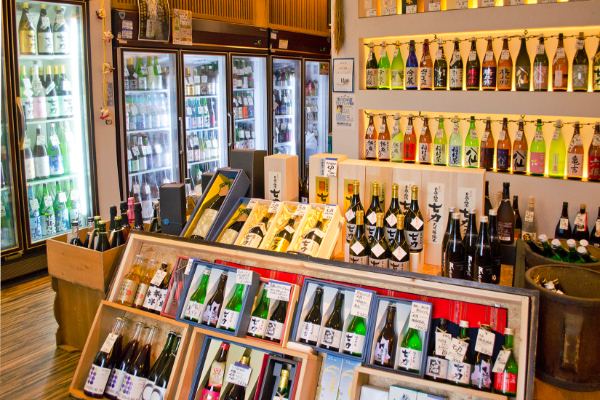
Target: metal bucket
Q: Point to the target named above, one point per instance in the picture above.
(533, 259)
(568, 344)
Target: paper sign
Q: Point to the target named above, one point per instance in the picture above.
(462, 4)
(330, 167)
(501, 361)
(466, 198)
(243, 277)
(361, 303)
(372, 12)
(485, 342)
(436, 213)
(274, 207)
(442, 343)
(419, 316)
(182, 27)
(188, 267)
(329, 212)
(283, 44)
(300, 210)
(109, 342)
(279, 291)
(457, 350)
(251, 204)
(158, 277)
(392, 220)
(239, 374)
(377, 250)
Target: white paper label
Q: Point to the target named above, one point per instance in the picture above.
(564, 223)
(372, 218)
(353, 342)
(108, 343)
(392, 220)
(331, 337)
(485, 342)
(257, 326)
(419, 316)
(489, 56)
(274, 330)
(437, 367)
(300, 210)
(474, 134)
(434, 6)
(411, 9)
(505, 55)
(243, 277)
(560, 52)
(361, 303)
(489, 3)
(377, 250)
(409, 359)
(330, 167)
(472, 55)
(188, 266)
(417, 223)
(97, 378)
(349, 215)
(501, 361)
(399, 253)
(193, 310)
(251, 204)
(279, 291)
(529, 216)
(457, 350)
(274, 207)
(328, 212)
(459, 372)
(229, 319)
(239, 374)
(462, 4)
(310, 332)
(442, 343)
(357, 248)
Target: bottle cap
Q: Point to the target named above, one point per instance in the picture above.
(555, 242)
(581, 250)
(225, 346)
(483, 219)
(558, 122)
(451, 209)
(472, 211)
(285, 373)
(456, 216)
(571, 243)
(531, 201)
(583, 243)
(464, 324)
(509, 331)
(543, 238)
(493, 212)
(245, 360)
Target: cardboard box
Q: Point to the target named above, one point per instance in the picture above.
(368, 392)
(191, 283)
(281, 178)
(400, 393)
(172, 208)
(324, 189)
(330, 290)
(252, 162)
(347, 378)
(330, 379)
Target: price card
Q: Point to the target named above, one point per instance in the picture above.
(34, 205)
(109, 342)
(434, 6)
(329, 212)
(564, 223)
(300, 210)
(485, 136)
(474, 134)
(48, 201)
(442, 343)
(439, 134)
(455, 57)
(462, 4)
(489, 3)
(579, 45)
(239, 374)
(560, 52)
(188, 267)
(472, 55)
(350, 214)
(40, 140)
(489, 56)
(417, 223)
(54, 141)
(62, 197)
(158, 277)
(382, 52)
(438, 54)
(392, 220)
(501, 361)
(519, 135)
(423, 130)
(529, 216)
(279, 291)
(27, 143)
(330, 167)
(251, 204)
(243, 277)
(539, 137)
(555, 135)
(517, 2)
(390, 10)
(540, 49)
(596, 140)
(457, 350)
(455, 129)
(395, 52)
(274, 207)
(505, 55)
(361, 303)
(419, 316)
(485, 342)
(411, 9)
(373, 12)
(409, 129)
(370, 130)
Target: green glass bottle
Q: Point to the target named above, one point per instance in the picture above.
(455, 146)
(523, 68)
(331, 335)
(558, 153)
(61, 211)
(459, 373)
(277, 323)
(398, 69)
(160, 364)
(73, 204)
(537, 157)
(231, 314)
(194, 307)
(258, 320)
(371, 79)
(440, 142)
(159, 388)
(55, 154)
(354, 340)
(397, 142)
(411, 349)
(472, 147)
(383, 69)
(505, 382)
(574, 256)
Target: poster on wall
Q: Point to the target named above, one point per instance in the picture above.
(182, 27)
(343, 75)
(344, 111)
(155, 20)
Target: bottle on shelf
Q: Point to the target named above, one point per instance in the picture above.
(459, 373)
(283, 391)
(383, 140)
(353, 208)
(276, 323)
(160, 384)
(506, 217)
(437, 364)
(580, 225)
(518, 220)
(52, 105)
(390, 220)
(594, 151)
(472, 146)
(159, 365)
(470, 244)
(144, 285)
(426, 68)
(27, 35)
(354, 340)
(414, 223)
(385, 346)
(210, 212)
(138, 220)
(374, 209)
(131, 282)
(397, 75)
(232, 310)
(496, 247)
(383, 69)
(212, 310)
(447, 234)
(311, 242)
(135, 378)
(40, 110)
(76, 240)
(455, 79)
(540, 67)
(505, 382)
(481, 378)
(473, 68)
(489, 67)
(411, 349)
(410, 142)
(48, 215)
(311, 325)
(537, 157)
(60, 33)
(523, 68)
(425, 143)
(596, 71)
(483, 263)
(258, 319)
(558, 153)
(530, 221)
(214, 384)
(60, 210)
(519, 162)
(379, 255)
(154, 222)
(234, 391)
(331, 336)
(574, 155)
(488, 204)
(372, 73)
(102, 244)
(194, 307)
(359, 249)
(580, 66)
(256, 234)
(123, 363)
(371, 140)
(440, 68)
(486, 153)
(440, 143)
(455, 146)
(505, 67)
(44, 33)
(560, 67)
(55, 157)
(412, 68)
(454, 266)
(399, 249)
(26, 93)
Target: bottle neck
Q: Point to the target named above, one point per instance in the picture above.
(565, 211)
(483, 229)
(175, 346)
(509, 342)
(506, 193)
(391, 316)
(456, 230)
(464, 333)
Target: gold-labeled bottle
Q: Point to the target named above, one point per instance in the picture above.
(130, 283)
(283, 238)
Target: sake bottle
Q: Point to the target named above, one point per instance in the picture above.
(412, 68)
(560, 67)
(537, 157)
(359, 245)
(523, 68)
(473, 67)
(503, 154)
(354, 340)
(455, 74)
(410, 142)
(390, 219)
(194, 306)
(540, 67)
(331, 335)
(425, 143)
(487, 147)
(481, 378)
(371, 140)
(425, 68)
(397, 74)
(558, 153)
(505, 67)
(459, 373)
(387, 340)
(455, 258)
(397, 142)
(355, 206)
(470, 243)
(258, 320)
(379, 255)
(440, 143)
(519, 162)
(440, 68)
(580, 66)
(399, 249)
(455, 146)
(472, 146)
(574, 155)
(374, 209)
(488, 69)
(411, 349)
(383, 69)
(371, 80)
(383, 140)
(505, 382)
(231, 313)
(311, 325)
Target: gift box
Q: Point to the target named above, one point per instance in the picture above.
(281, 177)
(239, 212)
(347, 378)
(258, 210)
(252, 162)
(172, 208)
(271, 377)
(287, 210)
(400, 393)
(368, 392)
(330, 379)
(331, 242)
(323, 177)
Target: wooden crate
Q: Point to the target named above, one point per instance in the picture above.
(316, 172)
(103, 324)
(281, 177)
(307, 383)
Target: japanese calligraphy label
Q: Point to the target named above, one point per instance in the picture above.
(466, 198)
(322, 195)
(279, 291)
(442, 343)
(239, 374)
(361, 303)
(188, 266)
(243, 277)
(501, 361)
(404, 194)
(274, 190)
(436, 213)
(329, 167)
(419, 316)
(457, 350)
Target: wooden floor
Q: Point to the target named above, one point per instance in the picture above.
(32, 367)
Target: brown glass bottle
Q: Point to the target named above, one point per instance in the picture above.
(505, 67)
(371, 140)
(486, 158)
(575, 155)
(520, 151)
(503, 154)
(560, 67)
(383, 140)
(594, 155)
(489, 68)
(426, 68)
(581, 66)
(425, 143)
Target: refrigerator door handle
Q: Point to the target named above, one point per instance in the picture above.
(22, 123)
(179, 124)
(230, 130)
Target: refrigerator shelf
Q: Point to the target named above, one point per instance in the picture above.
(244, 120)
(243, 90)
(201, 129)
(36, 57)
(283, 144)
(129, 92)
(201, 96)
(147, 171)
(284, 87)
(53, 179)
(46, 121)
(317, 96)
(291, 116)
(149, 130)
(204, 161)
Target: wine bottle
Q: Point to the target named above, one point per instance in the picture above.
(135, 378)
(425, 143)
(283, 391)
(487, 147)
(472, 146)
(440, 142)
(385, 346)
(373, 210)
(383, 140)
(414, 223)
(311, 325)
(470, 243)
(311, 242)
(518, 221)
(391, 216)
(473, 67)
(583, 252)
(456, 68)
(145, 280)
(397, 142)
(447, 235)
(520, 151)
(138, 221)
(194, 306)
(530, 220)
(331, 335)
(399, 249)
(354, 340)
(60, 32)
(383, 69)
(125, 219)
(506, 217)
(580, 66)
(212, 311)
(277, 323)
(481, 378)
(412, 68)
(371, 80)
(596, 71)
(159, 388)
(161, 290)
(397, 69)
(123, 363)
(488, 69)
(595, 234)
(580, 225)
(304, 194)
(355, 206)
(560, 68)
(410, 142)
(594, 152)
(231, 314)
(359, 249)
(563, 228)
(130, 283)
(256, 234)
(548, 250)
(437, 365)
(211, 211)
(440, 68)
(455, 259)
(104, 361)
(483, 263)
(411, 349)
(523, 68)
(154, 222)
(488, 203)
(495, 243)
(459, 373)
(234, 391)
(283, 238)
(379, 255)
(371, 140)
(171, 343)
(574, 155)
(505, 382)
(455, 146)
(425, 68)
(214, 383)
(540, 67)
(505, 67)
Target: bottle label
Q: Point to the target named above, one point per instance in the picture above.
(151, 298)
(409, 359)
(519, 160)
(257, 326)
(229, 236)
(439, 154)
(331, 337)
(383, 149)
(383, 75)
(397, 151)
(35, 225)
(217, 372)
(209, 395)
(397, 78)
(482, 375)
(354, 343)
(42, 166)
(371, 78)
(503, 159)
(437, 367)
(65, 104)
(469, 267)
(456, 269)
(48, 225)
(96, 381)
(574, 164)
(310, 332)
(61, 42)
(390, 233)
(505, 230)
(522, 76)
(193, 310)
(370, 231)
(30, 168)
(459, 372)
(161, 295)
(56, 165)
(505, 382)
(132, 387)
(350, 229)
(504, 76)
(274, 330)
(44, 41)
(415, 240)
(425, 152)
(205, 222)
(485, 274)
(425, 76)
(252, 240)
(309, 247)
(148, 388)
(127, 292)
(279, 245)
(593, 167)
(400, 265)
(580, 77)
(378, 263)
(456, 78)
(412, 74)
(488, 79)
(115, 381)
(537, 163)
(370, 148)
(229, 319)
(410, 150)
(540, 79)
(471, 156)
(211, 314)
(454, 155)
(62, 220)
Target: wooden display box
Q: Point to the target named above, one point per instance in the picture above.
(189, 382)
(103, 324)
(253, 216)
(323, 189)
(281, 177)
(279, 224)
(332, 242)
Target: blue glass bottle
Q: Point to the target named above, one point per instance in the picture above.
(412, 69)
(35, 220)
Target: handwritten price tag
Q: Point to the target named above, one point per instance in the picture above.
(501, 361)
(243, 277)
(274, 207)
(485, 342)
(442, 343)
(330, 167)
(529, 216)
(251, 204)
(300, 210)
(419, 316)
(361, 303)
(279, 291)
(457, 350)
(239, 374)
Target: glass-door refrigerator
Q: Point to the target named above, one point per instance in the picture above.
(53, 117)
(205, 122)
(316, 107)
(287, 105)
(149, 123)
